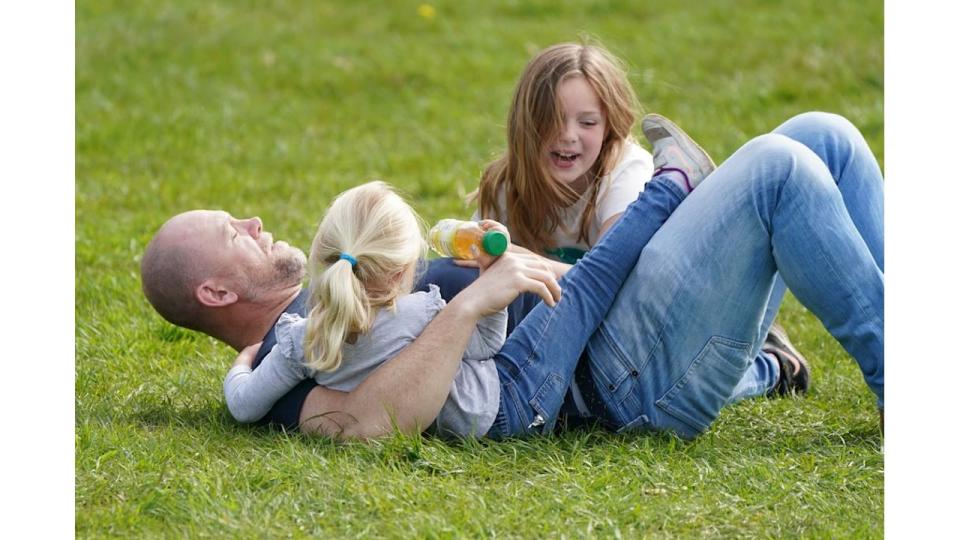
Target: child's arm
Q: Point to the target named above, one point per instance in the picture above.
(488, 337)
(251, 393)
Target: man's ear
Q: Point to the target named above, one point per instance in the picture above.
(213, 294)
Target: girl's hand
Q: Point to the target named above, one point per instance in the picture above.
(466, 263)
(247, 355)
(512, 248)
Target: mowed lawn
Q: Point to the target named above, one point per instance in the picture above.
(271, 108)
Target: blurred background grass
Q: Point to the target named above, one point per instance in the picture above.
(272, 108)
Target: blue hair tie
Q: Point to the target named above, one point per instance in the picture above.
(349, 258)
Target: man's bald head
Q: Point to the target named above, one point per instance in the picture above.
(173, 266)
(203, 259)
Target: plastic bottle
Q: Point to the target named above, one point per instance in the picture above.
(455, 238)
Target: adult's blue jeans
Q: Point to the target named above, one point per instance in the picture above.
(803, 204)
(851, 164)
(759, 378)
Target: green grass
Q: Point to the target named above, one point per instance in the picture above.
(271, 108)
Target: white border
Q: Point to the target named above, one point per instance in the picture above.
(922, 175)
(37, 276)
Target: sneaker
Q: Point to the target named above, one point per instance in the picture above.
(794, 368)
(675, 151)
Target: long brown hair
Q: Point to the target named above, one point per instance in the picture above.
(533, 200)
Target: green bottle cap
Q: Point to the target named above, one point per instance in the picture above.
(495, 243)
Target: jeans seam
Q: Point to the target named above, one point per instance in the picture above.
(499, 426)
(621, 358)
(518, 410)
(540, 338)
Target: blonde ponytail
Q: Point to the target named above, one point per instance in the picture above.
(341, 307)
(384, 236)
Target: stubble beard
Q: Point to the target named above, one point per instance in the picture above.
(288, 269)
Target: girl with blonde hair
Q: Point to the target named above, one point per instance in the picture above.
(363, 260)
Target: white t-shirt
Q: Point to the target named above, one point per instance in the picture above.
(617, 190)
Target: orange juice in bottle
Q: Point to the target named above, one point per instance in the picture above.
(455, 238)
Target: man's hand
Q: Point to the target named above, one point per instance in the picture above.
(506, 278)
(482, 259)
(247, 355)
(558, 268)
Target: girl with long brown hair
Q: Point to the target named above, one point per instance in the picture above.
(570, 168)
(571, 165)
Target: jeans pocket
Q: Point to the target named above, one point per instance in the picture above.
(614, 373)
(697, 397)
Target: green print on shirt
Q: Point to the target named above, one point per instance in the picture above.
(569, 255)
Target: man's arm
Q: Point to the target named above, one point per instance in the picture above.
(409, 391)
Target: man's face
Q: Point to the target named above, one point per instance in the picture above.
(241, 251)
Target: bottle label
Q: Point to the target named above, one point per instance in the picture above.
(443, 238)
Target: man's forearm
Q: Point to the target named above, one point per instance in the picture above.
(406, 392)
